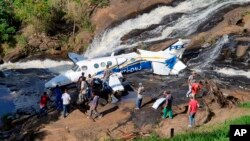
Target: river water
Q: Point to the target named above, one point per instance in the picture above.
(24, 82)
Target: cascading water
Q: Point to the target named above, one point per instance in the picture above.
(28, 78)
(195, 12)
(206, 57)
(51, 65)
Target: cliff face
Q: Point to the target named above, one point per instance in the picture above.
(234, 20)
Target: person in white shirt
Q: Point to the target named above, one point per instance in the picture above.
(139, 96)
(66, 101)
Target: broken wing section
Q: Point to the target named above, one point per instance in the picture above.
(115, 82)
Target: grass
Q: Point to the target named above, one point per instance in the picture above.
(218, 132)
(244, 105)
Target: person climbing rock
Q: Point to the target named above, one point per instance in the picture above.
(191, 80)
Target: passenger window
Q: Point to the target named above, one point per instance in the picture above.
(96, 66)
(84, 68)
(103, 64)
(109, 63)
(132, 59)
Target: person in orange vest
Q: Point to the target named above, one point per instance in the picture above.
(196, 88)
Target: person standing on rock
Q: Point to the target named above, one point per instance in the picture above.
(78, 84)
(90, 84)
(192, 110)
(83, 91)
(139, 96)
(57, 91)
(93, 105)
(196, 88)
(191, 80)
(106, 75)
(168, 105)
(43, 104)
(66, 101)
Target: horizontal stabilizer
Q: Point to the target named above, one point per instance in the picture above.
(75, 57)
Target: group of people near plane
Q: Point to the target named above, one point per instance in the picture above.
(86, 94)
(195, 88)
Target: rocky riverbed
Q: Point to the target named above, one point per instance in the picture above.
(219, 51)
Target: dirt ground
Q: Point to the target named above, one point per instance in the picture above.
(118, 121)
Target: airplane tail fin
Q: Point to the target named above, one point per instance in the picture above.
(178, 47)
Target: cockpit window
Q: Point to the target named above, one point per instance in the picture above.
(96, 66)
(109, 63)
(103, 64)
(75, 68)
(84, 68)
(132, 59)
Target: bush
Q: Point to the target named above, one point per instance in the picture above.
(8, 24)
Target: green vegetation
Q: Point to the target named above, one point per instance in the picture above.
(57, 18)
(218, 133)
(245, 105)
(8, 25)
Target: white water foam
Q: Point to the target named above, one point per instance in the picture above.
(196, 11)
(233, 72)
(208, 56)
(51, 65)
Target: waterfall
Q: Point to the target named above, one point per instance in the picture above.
(203, 60)
(195, 12)
(51, 65)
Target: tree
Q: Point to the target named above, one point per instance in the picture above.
(7, 22)
(36, 12)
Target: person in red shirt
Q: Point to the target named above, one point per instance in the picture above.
(43, 104)
(192, 109)
(196, 88)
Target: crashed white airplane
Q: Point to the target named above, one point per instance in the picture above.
(162, 63)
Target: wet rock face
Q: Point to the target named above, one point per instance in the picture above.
(2, 74)
(1, 60)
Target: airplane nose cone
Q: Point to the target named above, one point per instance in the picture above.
(58, 80)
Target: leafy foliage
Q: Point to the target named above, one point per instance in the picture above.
(7, 22)
(36, 12)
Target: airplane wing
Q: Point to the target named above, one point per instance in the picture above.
(75, 57)
(115, 83)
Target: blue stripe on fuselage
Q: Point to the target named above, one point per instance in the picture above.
(137, 66)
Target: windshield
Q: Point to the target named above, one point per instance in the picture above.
(75, 68)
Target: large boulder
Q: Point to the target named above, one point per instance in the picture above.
(15, 55)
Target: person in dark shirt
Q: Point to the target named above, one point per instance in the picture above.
(57, 91)
(168, 105)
